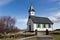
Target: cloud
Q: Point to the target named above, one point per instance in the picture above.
(59, 3)
(51, 9)
(22, 20)
(21, 23)
(53, 0)
(4, 2)
(55, 18)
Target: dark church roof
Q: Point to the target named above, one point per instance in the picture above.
(40, 20)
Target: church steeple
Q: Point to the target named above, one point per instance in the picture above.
(31, 11)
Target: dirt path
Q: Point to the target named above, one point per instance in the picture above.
(39, 34)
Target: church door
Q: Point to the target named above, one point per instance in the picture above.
(30, 28)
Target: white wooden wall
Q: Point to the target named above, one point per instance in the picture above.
(43, 29)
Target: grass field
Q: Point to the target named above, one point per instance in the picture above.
(56, 36)
(16, 36)
(33, 38)
(8, 39)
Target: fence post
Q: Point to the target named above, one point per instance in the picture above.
(47, 32)
(36, 32)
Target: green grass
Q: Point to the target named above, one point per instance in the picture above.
(8, 39)
(17, 38)
(56, 36)
(33, 38)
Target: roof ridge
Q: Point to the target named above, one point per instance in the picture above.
(39, 17)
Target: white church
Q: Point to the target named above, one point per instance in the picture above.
(38, 23)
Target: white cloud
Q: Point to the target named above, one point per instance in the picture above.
(51, 9)
(55, 18)
(22, 20)
(22, 23)
(59, 3)
(4, 2)
(53, 0)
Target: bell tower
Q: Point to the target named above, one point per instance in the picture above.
(31, 11)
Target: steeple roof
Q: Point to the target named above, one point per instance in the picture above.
(31, 8)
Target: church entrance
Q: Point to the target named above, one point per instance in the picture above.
(30, 28)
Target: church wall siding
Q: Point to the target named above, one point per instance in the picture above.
(43, 29)
(30, 23)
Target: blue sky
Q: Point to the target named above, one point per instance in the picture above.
(19, 10)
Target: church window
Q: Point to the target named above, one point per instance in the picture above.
(38, 26)
(49, 26)
(44, 25)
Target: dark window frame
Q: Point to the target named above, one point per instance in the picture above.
(49, 26)
(44, 25)
(38, 26)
